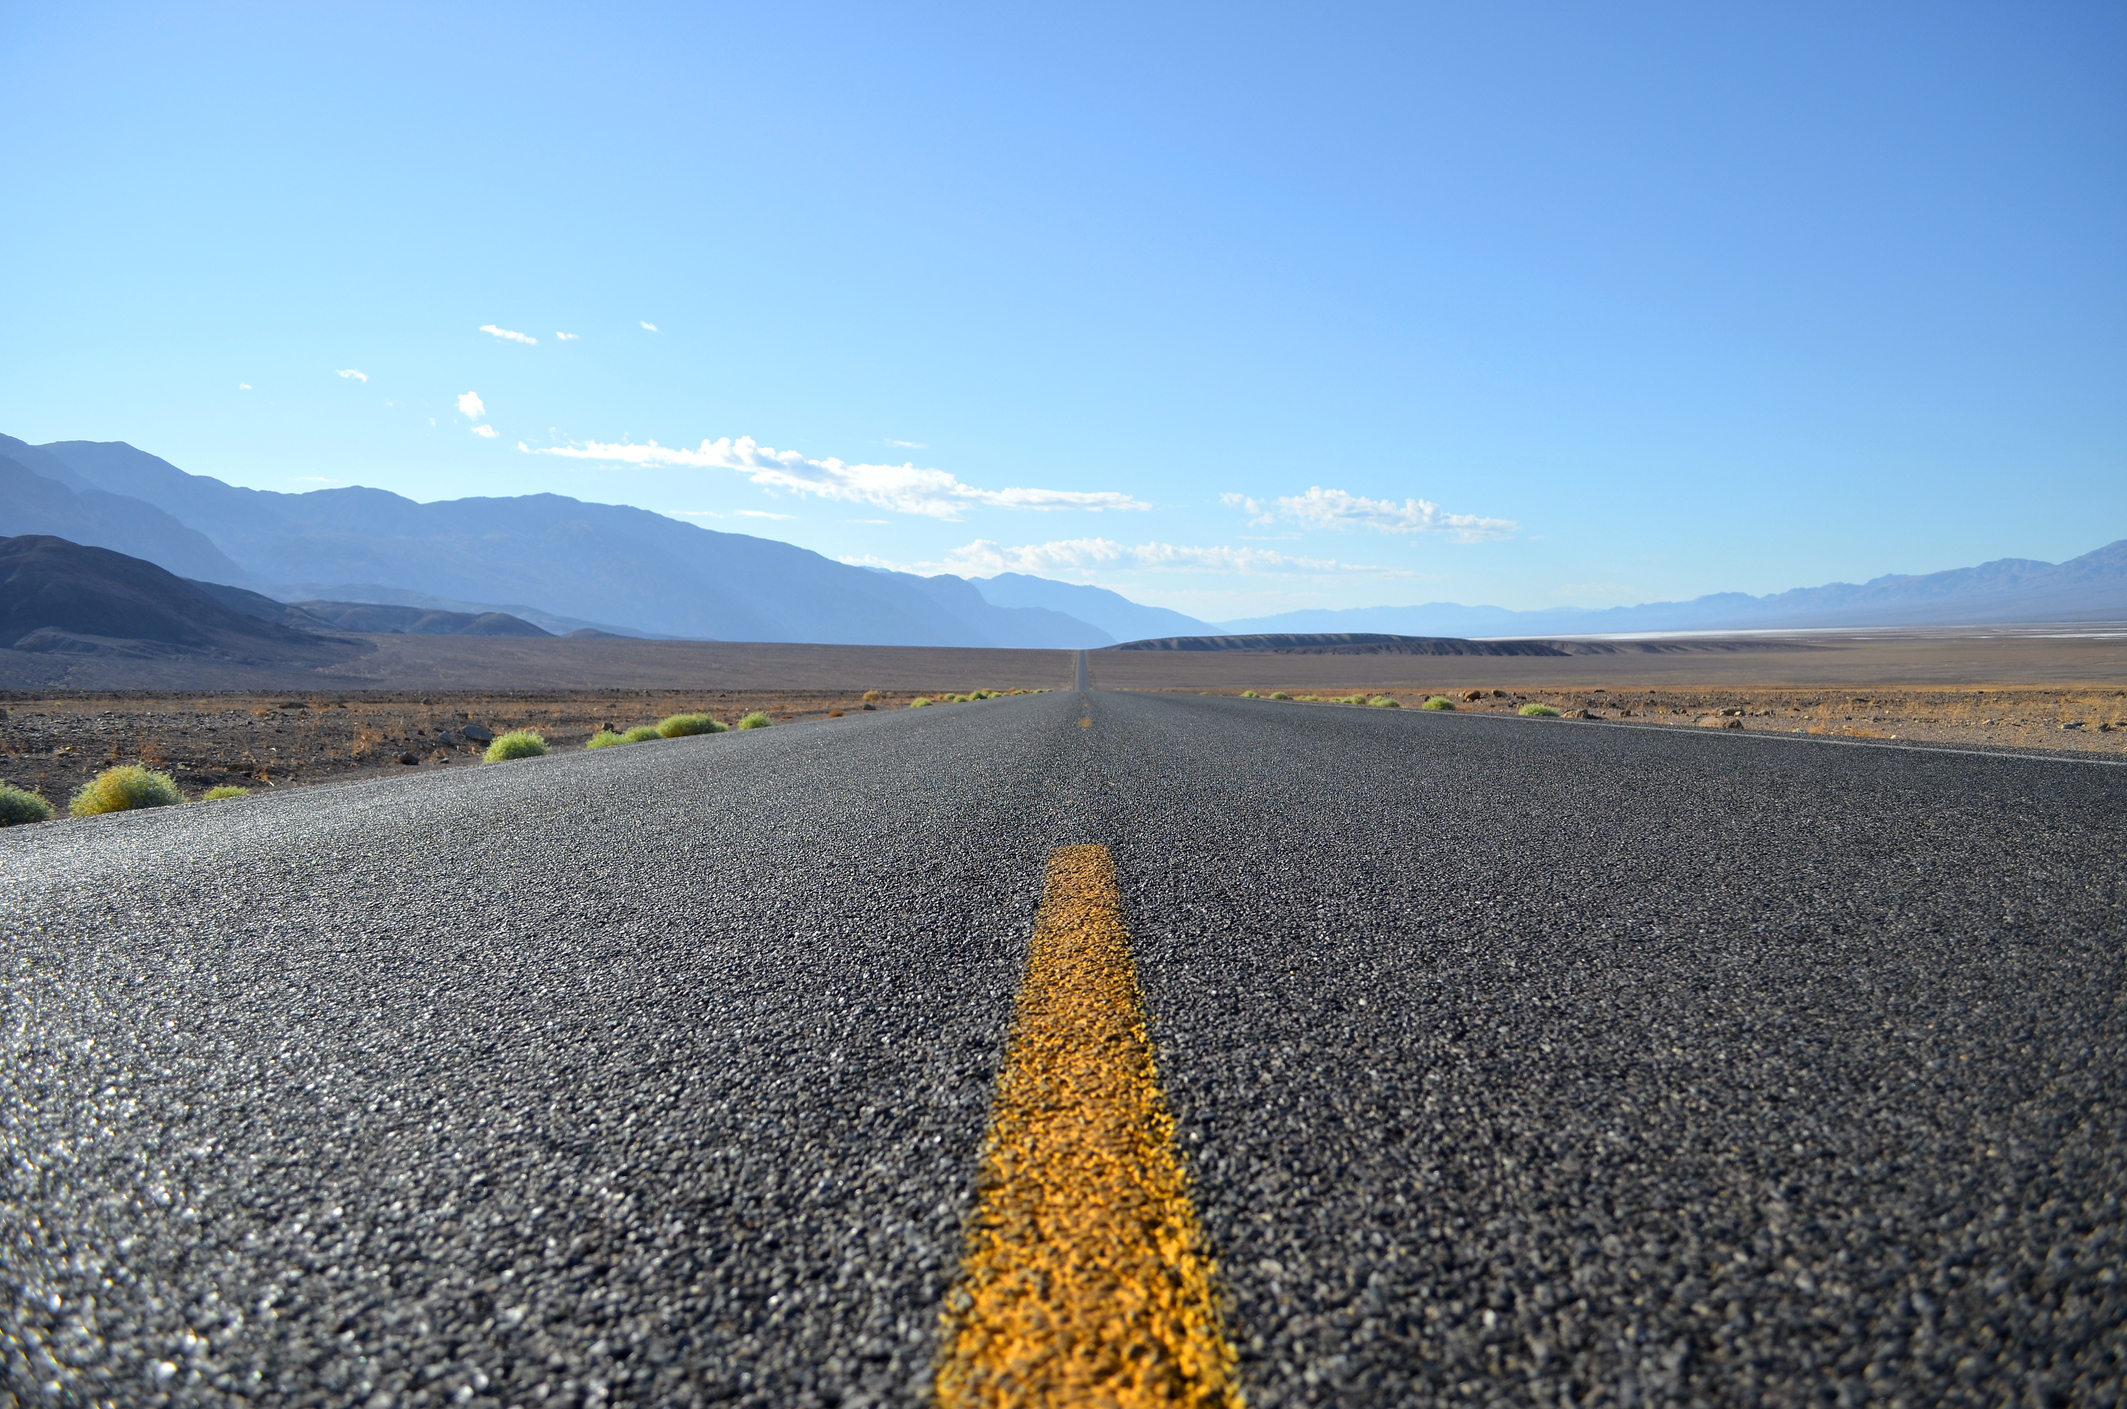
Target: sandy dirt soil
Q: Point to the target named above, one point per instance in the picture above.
(1855, 660)
(53, 745)
(499, 664)
(2090, 720)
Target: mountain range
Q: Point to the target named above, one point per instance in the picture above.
(563, 565)
(2092, 587)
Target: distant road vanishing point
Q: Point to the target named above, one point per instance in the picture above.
(1082, 1047)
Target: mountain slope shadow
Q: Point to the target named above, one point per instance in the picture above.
(61, 598)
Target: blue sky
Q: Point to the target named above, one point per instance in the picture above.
(1231, 308)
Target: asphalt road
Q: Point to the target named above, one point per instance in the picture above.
(1516, 1061)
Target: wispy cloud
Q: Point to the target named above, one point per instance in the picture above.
(694, 514)
(243, 386)
(351, 372)
(526, 338)
(649, 327)
(907, 489)
(565, 337)
(1333, 508)
(484, 432)
(762, 514)
(909, 444)
(1088, 554)
(471, 406)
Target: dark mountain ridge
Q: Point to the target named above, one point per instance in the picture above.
(64, 598)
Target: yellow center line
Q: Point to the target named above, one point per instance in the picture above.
(1085, 724)
(1087, 1279)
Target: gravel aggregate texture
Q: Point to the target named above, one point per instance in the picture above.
(1516, 1061)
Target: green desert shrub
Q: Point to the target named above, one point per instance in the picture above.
(1533, 710)
(22, 805)
(518, 743)
(1438, 702)
(225, 790)
(1279, 695)
(755, 720)
(1250, 695)
(920, 701)
(681, 726)
(641, 734)
(123, 788)
(1384, 702)
(605, 739)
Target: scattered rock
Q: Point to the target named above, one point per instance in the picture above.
(2072, 724)
(1725, 720)
(1584, 714)
(409, 758)
(479, 734)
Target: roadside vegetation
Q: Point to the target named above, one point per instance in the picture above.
(1384, 702)
(641, 734)
(225, 790)
(921, 701)
(1533, 710)
(22, 805)
(604, 739)
(1438, 702)
(122, 789)
(755, 720)
(684, 726)
(518, 743)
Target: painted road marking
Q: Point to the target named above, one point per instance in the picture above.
(1087, 1278)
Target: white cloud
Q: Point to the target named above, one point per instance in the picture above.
(909, 444)
(471, 406)
(1087, 554)
(565, 337)
(649, 327)
(243, 386)
(906, 489)
(351, 372)
(1333, 508)
(693, 513)
(526, 338)
(762, 514)
(484, 432)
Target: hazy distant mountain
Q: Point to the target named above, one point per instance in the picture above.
(551, 622)
(40, 495)
(1034, 625)
(2090, 588)
(368, 617)
(600, 562)
(1115, 614)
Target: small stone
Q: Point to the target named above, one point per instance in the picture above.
(2072, 724)
(409, 758)
(478, 733)
(1719, 721)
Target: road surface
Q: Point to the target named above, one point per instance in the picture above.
(1510, 1061)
